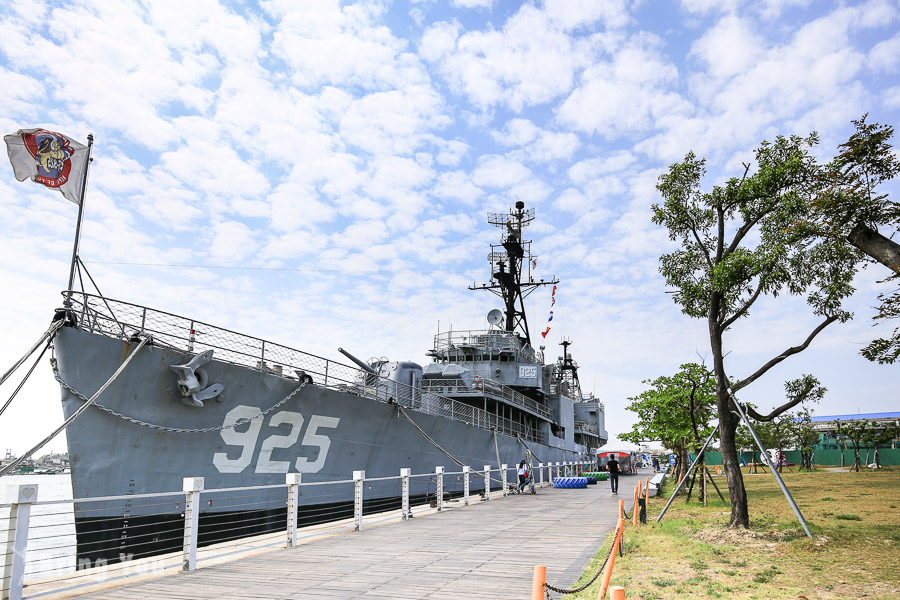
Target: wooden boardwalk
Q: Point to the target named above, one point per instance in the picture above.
(486, 550)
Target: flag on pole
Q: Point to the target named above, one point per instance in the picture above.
(545, 332)
(48, 158)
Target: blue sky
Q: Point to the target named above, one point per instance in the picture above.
(319, 173)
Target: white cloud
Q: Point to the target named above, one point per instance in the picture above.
(232, 241)
(499, 172)
(884, 57)
(528, 62)
(728, 48)
(626, 94)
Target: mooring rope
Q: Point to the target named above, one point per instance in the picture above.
(78, 412)
(51, 331)
(431, 441)
(27, 375)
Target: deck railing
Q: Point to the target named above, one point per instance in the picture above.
(124, 320)
(487, 387)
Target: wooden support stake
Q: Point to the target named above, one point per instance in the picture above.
(634, 513)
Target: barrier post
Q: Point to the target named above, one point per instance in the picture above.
(21, 497)
(192, 486)
(537, 582)
(293, 488)
(487, 482)
(439, 474)
(622, 509)
(358, 478)
(634, 513)
(466, 470)
(541, 471)
(607, 574)
(503, 468)
(617, 592)
(404, 492)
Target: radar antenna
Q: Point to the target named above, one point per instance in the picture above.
(509, 260)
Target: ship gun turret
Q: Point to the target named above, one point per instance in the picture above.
(358, 362)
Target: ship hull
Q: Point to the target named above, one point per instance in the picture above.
(324, 433)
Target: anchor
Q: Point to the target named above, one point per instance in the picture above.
(193, 380)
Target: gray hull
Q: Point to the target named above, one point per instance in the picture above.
(324, 433)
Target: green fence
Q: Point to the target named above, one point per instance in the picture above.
(887, 456)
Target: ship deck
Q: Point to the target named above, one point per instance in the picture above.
(488, 549)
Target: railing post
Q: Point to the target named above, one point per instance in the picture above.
(503, 477)
(404, 492)
(293, 488)
(541, 474)
(439, 475)
(487, 482)
(466, 470)
(358, 478)
(21, 497)
(192, 486)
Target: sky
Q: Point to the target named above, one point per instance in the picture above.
(319, 173)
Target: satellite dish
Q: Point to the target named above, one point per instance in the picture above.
(495, 317)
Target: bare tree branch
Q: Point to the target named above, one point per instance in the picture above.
(790, 351)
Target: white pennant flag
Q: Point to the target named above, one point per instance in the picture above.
(48, 158)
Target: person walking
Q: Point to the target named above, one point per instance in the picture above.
(655, 464)
(522, 471)
(613, 467)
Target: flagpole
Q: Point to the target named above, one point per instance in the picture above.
(87, 166)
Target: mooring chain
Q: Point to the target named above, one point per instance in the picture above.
(548, 588)
(58, 378)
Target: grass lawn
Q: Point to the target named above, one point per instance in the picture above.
(854, 518)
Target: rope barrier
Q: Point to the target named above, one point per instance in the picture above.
(617, 545)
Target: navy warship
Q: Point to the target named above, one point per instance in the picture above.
(203, 401)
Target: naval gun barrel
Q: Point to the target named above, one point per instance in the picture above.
(361, 364)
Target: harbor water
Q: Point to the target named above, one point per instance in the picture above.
(51, 534)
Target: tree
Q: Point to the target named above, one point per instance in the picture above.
(877, 437)
(805, 437)
(739, 242)
(676, 410)
(853, 431)
(850, 207)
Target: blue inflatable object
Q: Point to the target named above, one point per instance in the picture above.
(570, 482)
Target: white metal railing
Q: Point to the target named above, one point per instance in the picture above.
(586, 427)
(486, 387)
(487, 344)
(124, 320)
(42, 555)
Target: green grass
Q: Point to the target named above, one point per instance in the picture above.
(692, 554)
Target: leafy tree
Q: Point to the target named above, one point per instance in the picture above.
(878, 437)
(854, 431)
(805, 437)
(739, 242)
(676, 410)
(851, 207)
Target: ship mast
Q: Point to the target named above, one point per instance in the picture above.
(508, 261)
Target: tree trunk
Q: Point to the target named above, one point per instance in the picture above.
(728, 423)
(882, 249)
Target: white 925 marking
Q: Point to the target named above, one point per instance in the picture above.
(247, 440)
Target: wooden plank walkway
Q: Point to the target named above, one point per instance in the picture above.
(487, 550)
